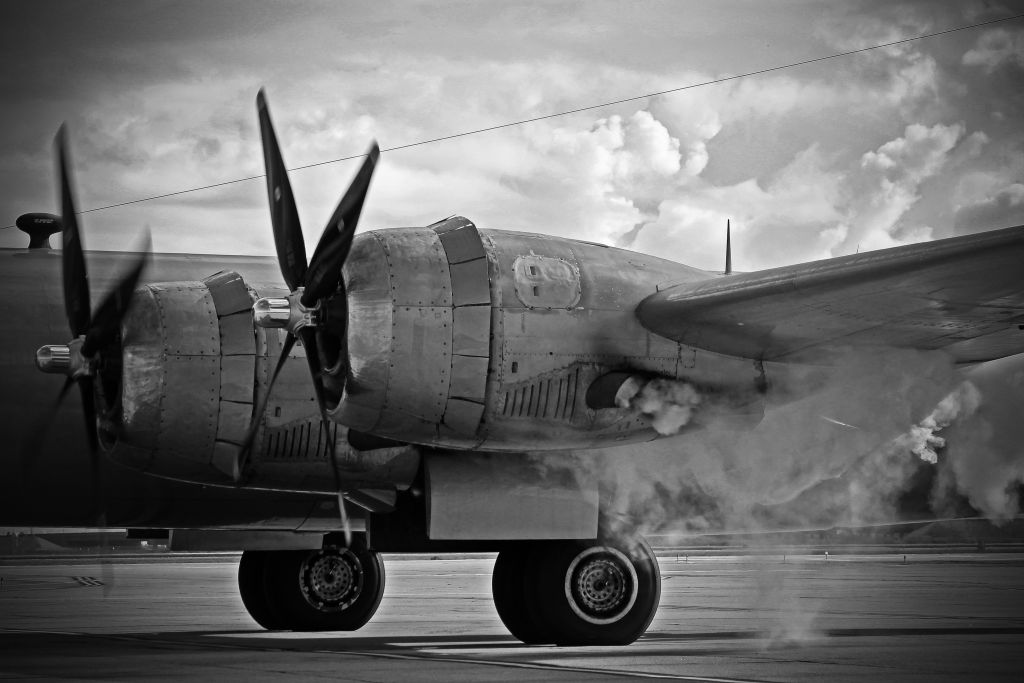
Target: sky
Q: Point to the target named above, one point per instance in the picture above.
(917, 141)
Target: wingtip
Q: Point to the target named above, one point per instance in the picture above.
(261, 98)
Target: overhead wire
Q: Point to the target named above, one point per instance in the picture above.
(567, 112)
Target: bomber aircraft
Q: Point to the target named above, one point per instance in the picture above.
(439, 375)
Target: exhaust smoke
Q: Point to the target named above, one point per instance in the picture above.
(669, 404)
(922, 439)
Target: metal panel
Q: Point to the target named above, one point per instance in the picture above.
(188, 317)
(369, 285)
(543, 282)
(418, 267)
(237, 335)
(460, 239)
(470, 284)
(233, 421)
(463, 417)
(195, 540)
(230, 295)
(237, 375)
(225, 459)
(420, 362)
(469, 377)
(472, 331)
(188, 407)
(506, 497)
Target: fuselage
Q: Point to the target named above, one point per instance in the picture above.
(484, 342)
(457, 340)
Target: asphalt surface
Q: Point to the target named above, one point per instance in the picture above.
(932, 618)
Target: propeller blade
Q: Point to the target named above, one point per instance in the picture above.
(291, 248)
(38, 432)
(261, 406)
(336, 240)
(309, 341)
(100, 506)
(76, 279)
(86, 388)
(107, 322)
(346, 527)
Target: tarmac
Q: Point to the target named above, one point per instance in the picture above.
(936, 617)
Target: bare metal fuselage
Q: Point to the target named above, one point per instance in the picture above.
(459, 341)
(486, 343)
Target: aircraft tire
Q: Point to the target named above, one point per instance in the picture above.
(596, 592)
(512, 596)
(331, 589)
(254, 587)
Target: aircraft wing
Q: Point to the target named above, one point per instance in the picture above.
(964, 295)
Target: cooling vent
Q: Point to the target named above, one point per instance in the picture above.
(550, 398)
(303, 441)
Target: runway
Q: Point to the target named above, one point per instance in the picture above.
(763, 618)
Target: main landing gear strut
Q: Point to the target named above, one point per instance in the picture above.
(331, 589)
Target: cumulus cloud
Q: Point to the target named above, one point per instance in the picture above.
(809, 209)
(995, 48)
(889, 183)
(1003, 209)
(904, 76)
(779, 154)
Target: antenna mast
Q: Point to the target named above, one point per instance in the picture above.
(728, 247)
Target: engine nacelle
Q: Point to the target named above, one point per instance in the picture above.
(191, 366)
(489, 340)
(418, 337)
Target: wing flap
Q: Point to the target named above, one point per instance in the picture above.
(964, 295)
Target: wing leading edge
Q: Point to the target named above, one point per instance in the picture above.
(964, 295)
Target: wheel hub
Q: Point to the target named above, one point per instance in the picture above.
(331, 579)
(601, 585)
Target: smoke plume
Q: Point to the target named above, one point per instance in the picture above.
(669, 404)
(809, 462)
(922, 439)
(984, 455)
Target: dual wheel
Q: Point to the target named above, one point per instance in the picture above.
(331, 589)
(577, 592)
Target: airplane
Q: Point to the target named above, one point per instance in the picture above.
(443, 382)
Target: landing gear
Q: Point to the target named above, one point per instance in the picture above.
(577, 592)
(331, 589)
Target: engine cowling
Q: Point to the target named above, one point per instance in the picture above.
(191, 366)
(419, 313)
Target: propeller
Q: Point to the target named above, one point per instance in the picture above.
(304, 313)
(81, 359)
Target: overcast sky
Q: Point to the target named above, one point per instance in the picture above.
(914, 142)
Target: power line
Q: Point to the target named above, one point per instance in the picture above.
(520, 122)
